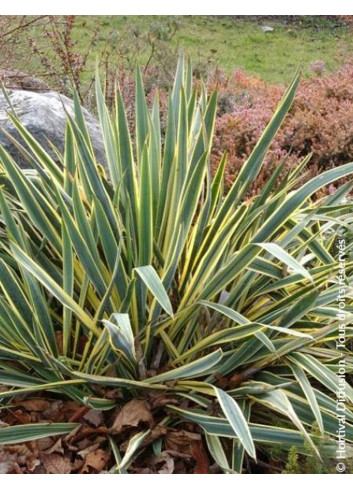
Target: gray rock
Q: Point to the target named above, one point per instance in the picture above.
(43, 115)
(266, 28)
(17, 80)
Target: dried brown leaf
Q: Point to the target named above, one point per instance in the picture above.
(94, 417)
(160, 400)
(199, 454)
(132, 414)
(44, 444)
(35, 405)
(21, 417)
(55, 411)
(7, 461)
(181, 441)
(91, 448)
(6, 467)
(56, 463)
(96, 460)
(156, 432)
(72, 434)
(56, 447)
(166, 461)
(32, 462)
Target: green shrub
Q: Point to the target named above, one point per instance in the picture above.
(310, 463)
(292, 465)
(154, 281)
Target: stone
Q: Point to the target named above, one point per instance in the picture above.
(18, 80)
(266, 28)
(43, 115)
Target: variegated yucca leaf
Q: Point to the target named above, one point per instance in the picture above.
(173, 284)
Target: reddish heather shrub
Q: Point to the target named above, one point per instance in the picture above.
(320, 121)
(318, 67)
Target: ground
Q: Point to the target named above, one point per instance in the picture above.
(228, 42)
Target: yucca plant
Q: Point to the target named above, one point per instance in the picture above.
(152, 279)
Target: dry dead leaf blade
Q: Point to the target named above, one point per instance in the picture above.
(131, 415)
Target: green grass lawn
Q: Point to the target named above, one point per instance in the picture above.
(231, 43)
(211, 41)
